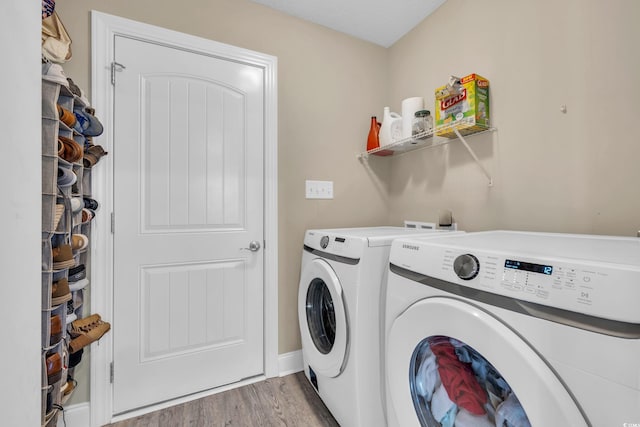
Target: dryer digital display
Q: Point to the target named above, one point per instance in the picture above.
(528, 266)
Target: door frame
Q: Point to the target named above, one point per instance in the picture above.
(104, 29)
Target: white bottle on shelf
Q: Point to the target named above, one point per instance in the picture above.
(391, 129)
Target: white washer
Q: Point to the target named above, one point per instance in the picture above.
(339, 309)
(535, 329)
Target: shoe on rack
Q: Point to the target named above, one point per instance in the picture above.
(76, 204)
(78, 272)
(71, 317)
(56, 329)
(54, 368)
(92, 155)
(69, 386)
(54, 73)
(78, 285)
(85, 324)
(58, 215)
(79, 242)
(90, 204)
(83, 98)
(60, 149)
(66, 116)
(75, 358)
(87, 124)
(60, 292)
(62, 257)
(66, 177)
(87, 215)
(87, 330)
(73, 151)
(78, 93)
(73, 87)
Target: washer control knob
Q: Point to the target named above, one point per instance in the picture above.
(466, 266)
(324, 242)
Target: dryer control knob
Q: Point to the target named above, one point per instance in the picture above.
(466, 266)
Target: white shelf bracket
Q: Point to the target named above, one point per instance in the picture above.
(475, 158)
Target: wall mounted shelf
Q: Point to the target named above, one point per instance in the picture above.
(430, 139)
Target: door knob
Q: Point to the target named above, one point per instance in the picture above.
(254, 246)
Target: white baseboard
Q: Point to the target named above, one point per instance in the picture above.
(78, 415)
(290, 363)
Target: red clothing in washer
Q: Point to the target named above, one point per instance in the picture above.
(458, 378)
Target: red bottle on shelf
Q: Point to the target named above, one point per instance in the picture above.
(372, 140)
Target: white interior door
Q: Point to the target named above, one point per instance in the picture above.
(188, 196)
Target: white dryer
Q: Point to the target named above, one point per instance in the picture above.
(339, 310)
(514, 329)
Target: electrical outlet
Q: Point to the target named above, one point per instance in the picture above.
(319, 189)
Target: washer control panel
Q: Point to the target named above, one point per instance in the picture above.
(594, 275)
(589, 289)
(605, 290)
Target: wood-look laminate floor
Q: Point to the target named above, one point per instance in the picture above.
(286, 401)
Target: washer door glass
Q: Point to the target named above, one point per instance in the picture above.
(453, 363)
(321, 315)
(323, 319)
(452, 384)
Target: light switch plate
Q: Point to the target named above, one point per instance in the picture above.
(319, 189)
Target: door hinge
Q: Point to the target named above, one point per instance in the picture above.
(115, 67)
(264, 244)
(111, 372)
(113, 222)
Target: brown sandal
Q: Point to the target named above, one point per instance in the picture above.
(60, 149)
(66, 116)
(72, 150)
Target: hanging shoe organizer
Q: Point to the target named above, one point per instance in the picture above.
(66, 237)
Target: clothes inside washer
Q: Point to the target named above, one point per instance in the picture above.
(458, 378)
(483, 370)
(489, 394)
(441, 405)
(465, 418)
(510, 413)
(427, 377)
(449, 418)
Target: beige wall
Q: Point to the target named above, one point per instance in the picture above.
(329, 85)
(573, 172)
(552, 171)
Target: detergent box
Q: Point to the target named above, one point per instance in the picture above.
(468, 103)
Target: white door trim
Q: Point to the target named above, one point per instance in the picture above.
(104, 29)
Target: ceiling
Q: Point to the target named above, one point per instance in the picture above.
(382, 22)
